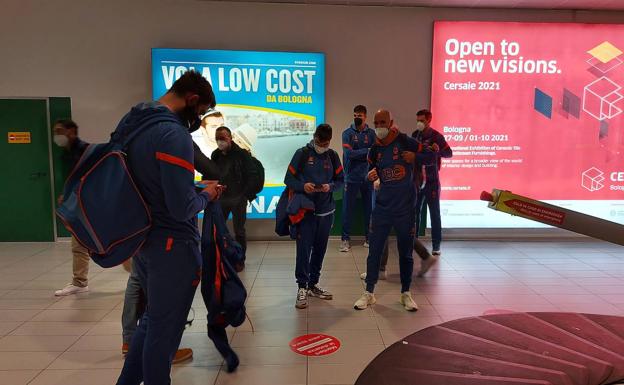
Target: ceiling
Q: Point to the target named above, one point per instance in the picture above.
(534, 4)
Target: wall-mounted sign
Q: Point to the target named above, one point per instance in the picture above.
(18, 137)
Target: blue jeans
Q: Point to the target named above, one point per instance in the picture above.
(381, 224)
(312, 238)
(430, 195)
(134, 306)
(348, 206)
(169, 277)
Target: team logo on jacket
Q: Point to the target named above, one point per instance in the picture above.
(394, 173)
(366, 139)
(355, 139)
(311, 160)
(395, 153)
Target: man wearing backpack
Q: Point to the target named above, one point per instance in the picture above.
(169, 263)
(66, 137)
(315, 170)
(237, 175)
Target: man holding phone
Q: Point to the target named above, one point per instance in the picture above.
(161, 162)
(315, 170)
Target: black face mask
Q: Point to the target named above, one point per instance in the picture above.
(358, 122)
(189, 117)
(195, 125)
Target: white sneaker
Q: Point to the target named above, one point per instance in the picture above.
(382, 275)
(345, 246)
(365, 301)
(302, 298)
(408, 302)
(71, 289)
(437, 253)
(426, 264)
(366, 245)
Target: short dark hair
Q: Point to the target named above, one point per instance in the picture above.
(323, 132)
(193, 82)
(223, 128)
(67, 124)
(359, 109)
(424, 112)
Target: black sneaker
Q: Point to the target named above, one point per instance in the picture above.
(316, 291)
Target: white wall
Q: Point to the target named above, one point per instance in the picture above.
(98, 52)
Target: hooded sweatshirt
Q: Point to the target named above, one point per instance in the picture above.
(317, 169)
(160, 160)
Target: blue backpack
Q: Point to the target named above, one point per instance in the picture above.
(102, 206)
(221, 287)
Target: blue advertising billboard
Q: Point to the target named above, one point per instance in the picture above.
(272, 102)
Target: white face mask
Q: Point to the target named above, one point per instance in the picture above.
(61, 140)
(381, 132)
(420, 126)
(222, 144)
(320, 150)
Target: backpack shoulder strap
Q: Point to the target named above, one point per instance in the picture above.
(304, 155)
(333, 156)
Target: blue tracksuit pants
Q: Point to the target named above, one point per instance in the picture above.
(430, 195)
(348, 206)
(381, 225)
(168, 271)
(313, 235)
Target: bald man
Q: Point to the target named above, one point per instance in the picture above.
(391, 160)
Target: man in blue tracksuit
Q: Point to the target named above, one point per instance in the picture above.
(316, 171)
(356, 140)
(169, 263)
(391, 161)
(428, 181)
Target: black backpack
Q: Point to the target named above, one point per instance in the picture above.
(257, 180)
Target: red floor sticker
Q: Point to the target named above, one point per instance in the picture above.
(315, 345)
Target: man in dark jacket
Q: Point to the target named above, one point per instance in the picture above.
(169, 263)
(236, 170)
(356, 140)
(391, 160)
(66, 137)
(428, 182)
(316, 171)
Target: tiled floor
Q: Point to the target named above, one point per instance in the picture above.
(46, 340)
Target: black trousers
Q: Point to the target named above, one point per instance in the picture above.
(238, 208)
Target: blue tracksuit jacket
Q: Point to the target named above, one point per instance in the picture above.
(161, 162)
(318, 169)
(355, 145)
(397, 193)
(429, 171)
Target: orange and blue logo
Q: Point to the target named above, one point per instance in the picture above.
(393, 174)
